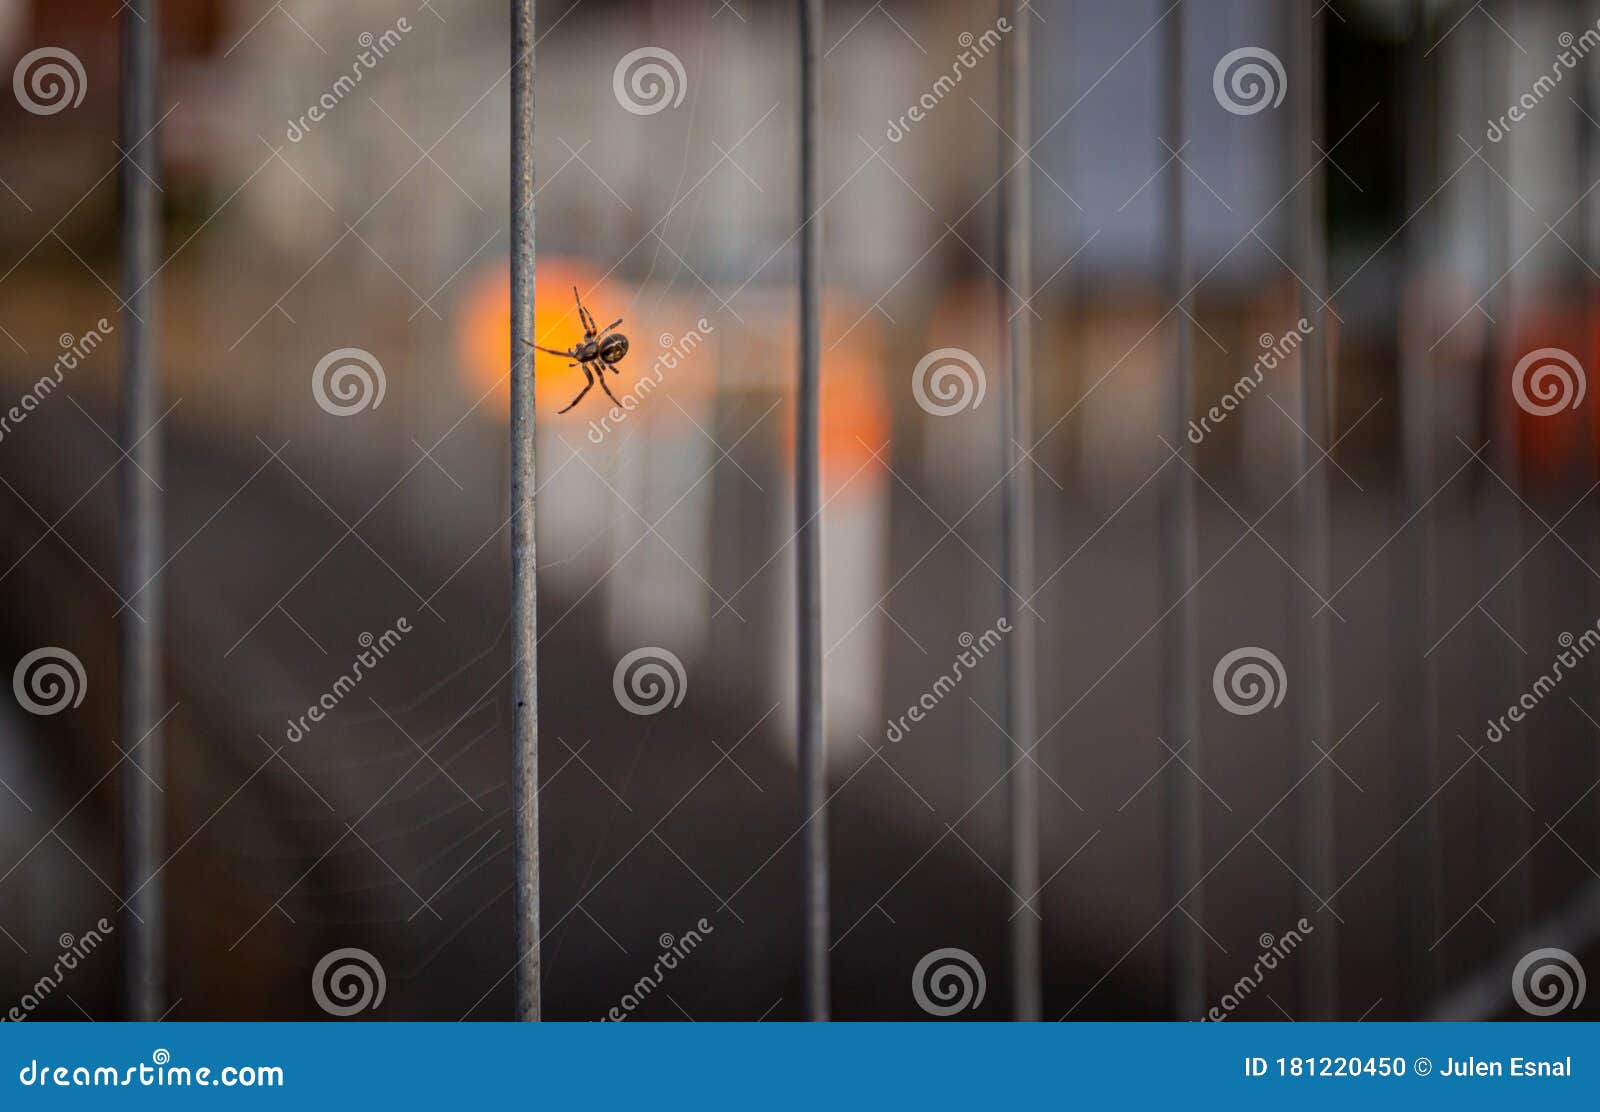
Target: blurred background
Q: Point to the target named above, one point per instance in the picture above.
(335, 176)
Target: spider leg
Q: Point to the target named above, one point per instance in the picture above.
(610, 326)
(587, 387)
(583, 316)
(547, 351)
(607, 389)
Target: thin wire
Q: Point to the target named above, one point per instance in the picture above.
(1180, 726)
(1022, 784)
(524, 637)
(1315, 818)
(143, 923)
(808, 547)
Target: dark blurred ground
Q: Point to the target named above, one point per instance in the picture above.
(648, 827)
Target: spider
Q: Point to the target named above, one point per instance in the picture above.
(601, 348)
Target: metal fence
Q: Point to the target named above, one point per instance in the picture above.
(1315, 854)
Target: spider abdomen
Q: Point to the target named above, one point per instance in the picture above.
(613, 348)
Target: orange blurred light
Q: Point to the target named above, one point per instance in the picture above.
(855, 412)
(483, 331)
(1550, 445)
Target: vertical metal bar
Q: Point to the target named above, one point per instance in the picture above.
(1589, 240)
(1180, 725)
(1418, 877)
(1315, 818)
(1504, 417)
(1497, 552)
(808, 533)
(143, 923)
(524, 638)
(1022, 784)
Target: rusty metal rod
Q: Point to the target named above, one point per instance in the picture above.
(524, 623)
